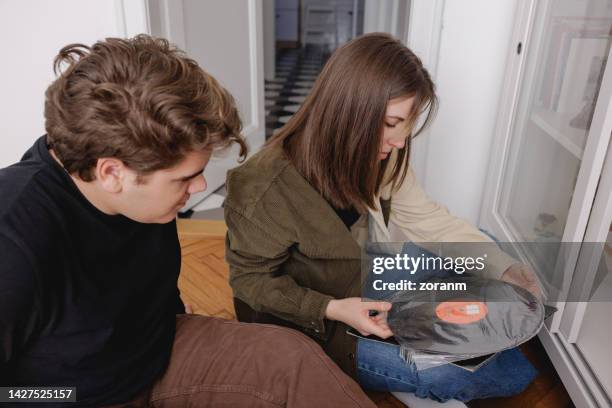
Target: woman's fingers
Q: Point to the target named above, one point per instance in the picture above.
(521, 275)
(377, 325)
(376, 329)
(356, 313)
(382, 317)
(385, 327)
(378, 306)
(382, 332)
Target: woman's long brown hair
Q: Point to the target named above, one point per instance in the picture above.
(334, 139)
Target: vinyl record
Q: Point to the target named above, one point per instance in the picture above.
(487, 317)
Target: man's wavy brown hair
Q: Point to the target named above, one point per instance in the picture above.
(139, 100)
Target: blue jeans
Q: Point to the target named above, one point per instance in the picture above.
(380, 367)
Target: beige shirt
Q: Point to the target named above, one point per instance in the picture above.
(414, 217)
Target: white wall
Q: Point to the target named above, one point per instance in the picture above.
(372, 9)
(226, 39)
(31, 34)
(225, 56)
(388, 16)
(474, 45)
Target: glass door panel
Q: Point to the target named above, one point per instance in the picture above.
(564, 66)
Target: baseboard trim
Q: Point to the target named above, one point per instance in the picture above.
(188, 228)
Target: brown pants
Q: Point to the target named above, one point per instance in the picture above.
(222, 363)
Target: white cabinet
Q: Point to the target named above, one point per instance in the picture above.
(550, 179)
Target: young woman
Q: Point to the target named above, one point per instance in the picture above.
(336, 176)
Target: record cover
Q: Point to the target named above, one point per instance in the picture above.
(487, 317)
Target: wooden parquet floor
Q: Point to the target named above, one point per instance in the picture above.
(204, 277)
(204, 286)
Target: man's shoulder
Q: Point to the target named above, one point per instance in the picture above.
(17, 180)
(26, 189)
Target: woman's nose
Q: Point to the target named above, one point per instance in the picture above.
(398, 143)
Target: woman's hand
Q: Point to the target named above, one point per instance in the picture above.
(356, 313)
(521, 275)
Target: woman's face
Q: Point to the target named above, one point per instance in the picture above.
(396, 127)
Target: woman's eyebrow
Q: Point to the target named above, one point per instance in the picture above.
(396, 117)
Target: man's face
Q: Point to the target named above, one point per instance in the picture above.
(157, 197)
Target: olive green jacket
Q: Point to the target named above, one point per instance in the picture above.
(290, 254)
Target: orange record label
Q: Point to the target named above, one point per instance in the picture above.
(461, 312)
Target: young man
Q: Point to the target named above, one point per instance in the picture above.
(90, 254)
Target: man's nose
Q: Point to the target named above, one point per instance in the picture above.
(197, 185)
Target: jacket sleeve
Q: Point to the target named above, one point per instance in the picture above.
(256, 257)
(419, 219)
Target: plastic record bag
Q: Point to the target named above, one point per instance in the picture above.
(483, 317)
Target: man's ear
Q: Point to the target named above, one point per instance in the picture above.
(111, 174)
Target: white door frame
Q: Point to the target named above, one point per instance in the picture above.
(423, 38)
(132, 17)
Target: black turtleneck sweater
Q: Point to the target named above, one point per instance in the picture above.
(86, 299)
